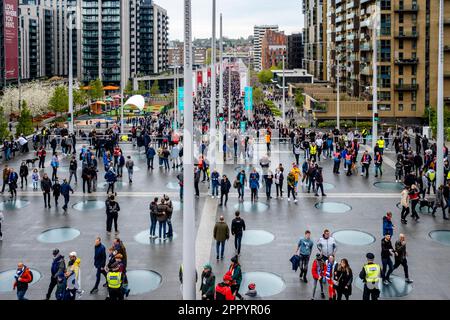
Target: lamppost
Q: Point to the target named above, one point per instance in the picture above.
(212, 122)
(70, 27)
(284, 89)
(338, 98)
(221, 123)
(189, 273)
(440, 98)
(375, 25)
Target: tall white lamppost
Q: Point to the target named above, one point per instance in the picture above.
(375, 25)
(440, 99)
(221, 121)
(189, 273)
(212, 122)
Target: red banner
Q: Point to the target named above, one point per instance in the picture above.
(209, 73)
(199, 78)
(11, 35)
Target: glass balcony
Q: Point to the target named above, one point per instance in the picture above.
(403, 61)
(406, 87)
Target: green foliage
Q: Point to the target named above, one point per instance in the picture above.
(154, 90)
(128, 88)
(258, 96)
(345, 124)
(4, 132)
(299, 99)
(96, 92)
(59, 102)
(25, 124)
(80, 97)
(265, 76)
(431, 116)
(275, 110)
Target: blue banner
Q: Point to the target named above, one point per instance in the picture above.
(248, 98)
(243, 126)
(181, 99)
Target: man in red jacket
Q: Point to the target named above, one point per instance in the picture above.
(23, 278)
(223, 289)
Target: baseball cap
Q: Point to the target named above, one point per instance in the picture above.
(73, 254)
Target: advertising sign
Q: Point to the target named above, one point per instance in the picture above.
(11, 36)
(199, 78)
(248, 98)
(181, 99)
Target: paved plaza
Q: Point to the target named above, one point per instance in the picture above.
(273, 229)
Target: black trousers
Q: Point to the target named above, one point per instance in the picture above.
(235, 288)
(21, 181)
(404, 263)
(115, 294)
(279, 188)
(88, 182)
(197, 191)
(41, 162)
(47, 198)
(110, 187)
(110, 218)
(51, 286)
(226, 198)
(370, 294)
(405, 212)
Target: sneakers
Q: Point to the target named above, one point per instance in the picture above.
(385, 282)
(94, 290)
(322, 295)
(217, 258)
(409, 281)
(295, 201)
(289, 199)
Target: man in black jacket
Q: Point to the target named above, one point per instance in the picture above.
(99, 263)
(46, 187)
(58, 266)
(386, 252)
(225, 186)
(112, 214)
(237, 229)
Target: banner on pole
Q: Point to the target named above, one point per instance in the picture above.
(199, 78)
(243, 126)
(248, 98)
(181, 99)
(10, 38)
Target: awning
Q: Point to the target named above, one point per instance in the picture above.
(138, 101)
(110, 88)
(100, 102)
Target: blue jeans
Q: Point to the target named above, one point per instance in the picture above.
(170, 232)
(215, 190)
(152, 226)
(218, 245)
(21, 294)
(237, 242)
(241, 191)
(386, 263)
(162, 227)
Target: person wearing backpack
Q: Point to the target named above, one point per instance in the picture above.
(130, 166)
(23, 278)
(58, 266)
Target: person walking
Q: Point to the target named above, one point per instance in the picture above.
(23, 172)
(291, 187)
(327, 245)
(112, 214)
(221, 234)
(405, 204)
(386, 252)
(130, 167)
(12, 183)
(208, 283)
(400, 257)
(99, 263)
(236, 274)
(73, 166)
(55, 165)
(56, 191)
(318, 274)
(150, 157)
(197, 173)
(66, 189)
(58, 266)
(366, 159)
(241, 181)
(370, 275)
(254, 184)
(215, 184)
(304, 250)
(35, 177)
(279, 179)
(440, 202)
(237, 230)
(23, 278)
(41, 154)
(73, 276)
(268, 180)
(86, 177)
(388, 226)
(378, 164)
(225, 186)
(46, 187)
(5, 177)
(319, 182)
(111, 178)
(153, 218)
(343, 278)
(330, 269)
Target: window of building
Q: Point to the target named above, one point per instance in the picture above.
(414, 70)
(413, 107)
(400, 96)
(400, 70)
(414, 44)
(400, 44)
(413, 96)
(385, 107)
(400, 107)
(400, 18)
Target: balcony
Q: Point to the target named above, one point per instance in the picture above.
(350, 16)
(365, 47)
(407, 35)
(350, 5)
(407, 9)
(447, 48)
(403, 61)
(446, 74)
(367, 71)
(406, 87)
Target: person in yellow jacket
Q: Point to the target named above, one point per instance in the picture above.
(114, 280)
(313, 152)
(73, 276)
(297, 174)
(380, 144)
(370, 275)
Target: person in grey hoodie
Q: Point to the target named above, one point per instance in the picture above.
(304, 250)
(327, 245)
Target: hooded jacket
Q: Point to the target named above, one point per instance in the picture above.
(388, 227)
(58, 265)
(327, 246)
(73, 278)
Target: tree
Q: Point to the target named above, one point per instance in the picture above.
(25, 124)
(155, 88)
(80, 97)
(59, 102)
(258, 96)
(265, 76)
(299, 99)
(128, 88)
(431, 114)
(280, 65)
(96, 91)
(4, 132)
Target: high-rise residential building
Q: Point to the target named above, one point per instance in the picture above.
(407, 53)
(295, 51)
(273, 47)
(258, 35)
(315, 37)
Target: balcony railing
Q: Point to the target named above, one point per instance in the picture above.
(407, 35)
(413, 8)
(406, 61)
(406, 87)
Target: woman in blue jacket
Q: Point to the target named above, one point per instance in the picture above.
(388, 226)
(254, 184)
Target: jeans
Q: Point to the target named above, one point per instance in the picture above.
(226, 198)
(315, 287)
(162, 229)
(378, 168)
(153, 226)
(303, 264)
(51, 286)
(119, 171)
(237, 242)
(319, 186)
(279, 188)
(386, 262)
(66, 201)
(150, 163)
(254, 194)
(130, 175)
(291, 190)
(100, 272)
(21, 294)
(170, 231)
(218, 245)
(47, 198)
(166, 163)
(241, 192)
(268, 189)
(73, 173)
(215, 190)
(110, 187)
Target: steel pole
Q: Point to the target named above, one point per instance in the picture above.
(212, 122)
(70, 79)
(440, 104)
(375, 81)
(221, 123)
(284, 94)
(338, 98)
(188, 165)
(229, 95)
(122, 67)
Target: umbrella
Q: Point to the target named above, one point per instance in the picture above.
(100, 102)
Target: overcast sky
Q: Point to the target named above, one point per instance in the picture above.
(239, 16)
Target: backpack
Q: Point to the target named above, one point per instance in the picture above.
(31, 276)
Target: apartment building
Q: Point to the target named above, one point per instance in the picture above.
(273, 47)
(295, 51)
(258, 35)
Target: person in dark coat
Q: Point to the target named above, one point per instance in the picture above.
(23, 172)
(56, 191)
(237, 229)
(112, 213)
(46, 187)
(58, 267)
(208, 283)
(225, 186)
(343, 277)
(99, 262)
(65, 191)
